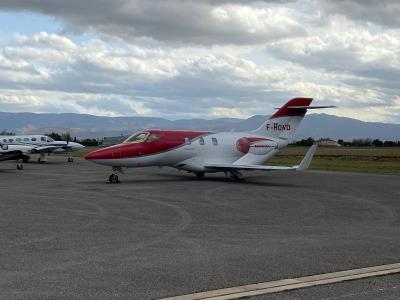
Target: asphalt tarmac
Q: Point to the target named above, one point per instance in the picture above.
(66, 233)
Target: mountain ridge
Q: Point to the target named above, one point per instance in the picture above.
(91, 126)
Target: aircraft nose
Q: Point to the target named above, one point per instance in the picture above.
(106, 153)
(76, 146)
(95, 155)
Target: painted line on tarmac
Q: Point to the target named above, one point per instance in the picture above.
(290, 284)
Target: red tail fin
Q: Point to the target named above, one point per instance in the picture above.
(294, 107)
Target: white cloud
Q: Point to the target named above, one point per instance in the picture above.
(177, 21)
(204, 58)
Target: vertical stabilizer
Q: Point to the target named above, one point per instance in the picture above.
(284, 122)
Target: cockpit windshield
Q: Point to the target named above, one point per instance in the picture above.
(49, 139)
(137, 138)
(142, 137)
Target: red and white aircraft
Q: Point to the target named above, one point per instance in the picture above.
(202, 152)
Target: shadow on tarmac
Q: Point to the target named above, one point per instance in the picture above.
(182, 178)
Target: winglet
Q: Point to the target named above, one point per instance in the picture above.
(305, 163)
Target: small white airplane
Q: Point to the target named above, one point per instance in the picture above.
(39, 144)
(201, 152)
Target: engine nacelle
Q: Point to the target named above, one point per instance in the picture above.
(257, 146)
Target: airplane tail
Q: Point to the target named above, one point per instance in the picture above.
(284, 122)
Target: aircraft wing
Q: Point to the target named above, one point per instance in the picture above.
(45, 149)
(248, 167)
(12, 155)
(305, 163)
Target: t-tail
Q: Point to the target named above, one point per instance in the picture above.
(284, 122)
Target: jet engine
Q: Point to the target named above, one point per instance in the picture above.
(257, 146)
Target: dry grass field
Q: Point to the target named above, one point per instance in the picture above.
(381, 160)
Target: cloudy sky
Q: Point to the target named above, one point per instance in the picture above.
(200, 58)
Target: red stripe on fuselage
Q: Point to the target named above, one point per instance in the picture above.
(168, 140)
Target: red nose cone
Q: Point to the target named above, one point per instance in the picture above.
(94, 155)
(112, 152)
(99, 154)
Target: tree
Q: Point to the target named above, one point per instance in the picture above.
(377, 143)
(55, 136)
(66, 136)
(389, 144)
(362, 142)
(5, 132)
(306, 142)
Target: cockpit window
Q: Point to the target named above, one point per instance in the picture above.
(137, 138)
(50, 140)
(152, 138)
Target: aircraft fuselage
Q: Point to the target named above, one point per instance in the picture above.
(188, 150)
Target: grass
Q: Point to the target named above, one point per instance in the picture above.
(84, 151)
(377, 160)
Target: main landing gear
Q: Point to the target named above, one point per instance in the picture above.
(235, 175)
(20, 166)
(113, 178)
(199, 174)
(42, 158)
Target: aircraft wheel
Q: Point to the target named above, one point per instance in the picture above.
(236, 176)
(20, 166)
(70, 159)
(200, 174)
(113, 178)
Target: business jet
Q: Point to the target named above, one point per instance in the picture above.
(201, 152)
(39, 144)
(12, 154)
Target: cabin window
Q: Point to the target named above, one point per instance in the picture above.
(18, 139)
(152, 138)
(11, 140)
(4, 141)
(188, 141)
(26, 139)
(43, 139)
(201, 141)
(33, 139)
(214, 141)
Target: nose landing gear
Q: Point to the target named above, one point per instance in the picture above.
(113, 178)
(70, 159)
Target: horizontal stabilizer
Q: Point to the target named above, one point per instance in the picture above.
(308, 107)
